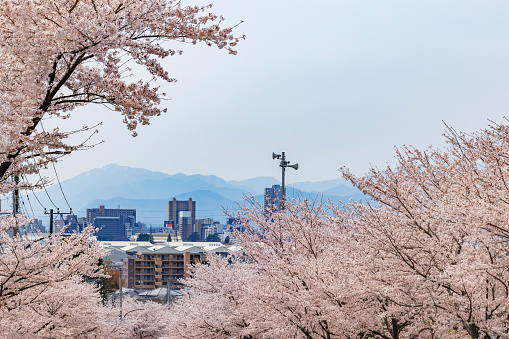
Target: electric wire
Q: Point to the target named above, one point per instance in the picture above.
(45, 190)
(23, 207)
(65, 198)
(61, 189)
(35, 196)
(60, 185)
(42, 126)
(29, 203)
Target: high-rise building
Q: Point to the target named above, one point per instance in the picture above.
(74, 224)
(186, 220)
(115, 222)
(200, 225)
(235, 224)
(185, 224)
(110, 228)
(35, 226)
(273, 199)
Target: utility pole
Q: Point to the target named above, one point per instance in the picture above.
(283, 164)
(15, 205)
(51, 228)
(50, 220)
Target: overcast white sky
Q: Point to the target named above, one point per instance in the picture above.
(333, 83)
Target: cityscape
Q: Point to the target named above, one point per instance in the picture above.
(254, 169)
(154, 258)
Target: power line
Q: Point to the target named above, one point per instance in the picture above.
(65, 198)
(24, 178)
(60, 185)
(42, 126)
(23, 205)
(45, 190)
(29, 203)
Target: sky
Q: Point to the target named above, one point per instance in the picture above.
(332, 83)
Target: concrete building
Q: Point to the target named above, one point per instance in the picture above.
(115, 222)
(110, 228)
(185, 224)
(140, 227)
(201, 225)
(74, 224)
(273, 198)
(35, 226)
(234, 224)
(184, 221)
(128, 272)
(148, 266)
(158, 267)
(215, 228)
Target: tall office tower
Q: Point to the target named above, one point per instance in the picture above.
(121, 225)
(273, 198)
(175, 207)
(185, 225)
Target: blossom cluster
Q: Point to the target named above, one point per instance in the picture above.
(426, 257)
(58, 55)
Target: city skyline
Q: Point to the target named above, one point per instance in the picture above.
(148, 192)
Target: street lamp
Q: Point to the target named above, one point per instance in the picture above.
(283, 164)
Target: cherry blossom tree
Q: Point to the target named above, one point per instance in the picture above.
(73, 309)
(28, 264)
(295, 278)
(58, 55)
(220, 303)
(426, 258)
(437, 240)
(140, 320)
(57, 310)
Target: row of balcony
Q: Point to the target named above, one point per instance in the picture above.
(148, 258)
(174, 264)
(158, 271)
(143, 264)
(173, 281)
(137, 274)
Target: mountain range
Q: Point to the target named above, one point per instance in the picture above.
(126, 187)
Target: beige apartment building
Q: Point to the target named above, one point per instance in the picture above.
(149, 266)
(157, 268)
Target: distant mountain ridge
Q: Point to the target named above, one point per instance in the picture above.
(149, 191)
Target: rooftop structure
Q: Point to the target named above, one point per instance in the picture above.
(148, 266)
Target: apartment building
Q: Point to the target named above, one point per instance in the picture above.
(152, 269)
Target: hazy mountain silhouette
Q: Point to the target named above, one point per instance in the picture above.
(149, 191)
